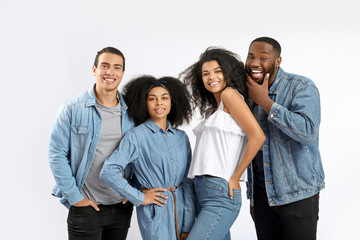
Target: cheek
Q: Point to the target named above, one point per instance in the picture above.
(148, 106)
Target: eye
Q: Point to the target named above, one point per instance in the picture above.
(263, 59)
(103, 66)
(118, 68)
(250, 57)
(205, 74)
(165, 98)
(151, 99)
(218, 71)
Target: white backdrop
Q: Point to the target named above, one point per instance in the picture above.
(48, 47)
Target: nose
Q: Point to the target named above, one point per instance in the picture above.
(212, 76)
(255, 63)
(109, 71)
(158, 102)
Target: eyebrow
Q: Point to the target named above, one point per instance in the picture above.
(155, 95)
(105, 63)
(213, 69)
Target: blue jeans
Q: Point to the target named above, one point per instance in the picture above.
(217, 211)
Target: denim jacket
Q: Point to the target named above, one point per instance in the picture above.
(292, 164)
(74, 138)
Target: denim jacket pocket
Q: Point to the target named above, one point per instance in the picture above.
(80, 129)
(79, 134)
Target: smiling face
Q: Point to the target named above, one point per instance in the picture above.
(109, 72)
(262, 59)
(213, 77)
(158, 104)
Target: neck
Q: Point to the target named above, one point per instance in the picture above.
(162, 123)
(272, 78)
(218, 99)
(107, 99)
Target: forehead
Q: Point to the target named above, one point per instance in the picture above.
(158, 91)
(111, 59)
(261, 47)
(210, 65)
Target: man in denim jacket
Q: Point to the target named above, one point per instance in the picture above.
(88, 128)
(287, 173)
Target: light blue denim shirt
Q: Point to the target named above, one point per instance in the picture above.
(74, 138)
(292, 164)
(161, 159)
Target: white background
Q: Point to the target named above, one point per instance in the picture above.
(48, 47)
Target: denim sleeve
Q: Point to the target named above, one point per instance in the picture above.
(189, 196)
(111, 172)
(59, 153)
(300, 121)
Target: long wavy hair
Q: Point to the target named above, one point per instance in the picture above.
(136, 93)
(232, 68)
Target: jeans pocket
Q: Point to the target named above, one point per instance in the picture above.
(81, 216)
(213, 182)
(237, 199)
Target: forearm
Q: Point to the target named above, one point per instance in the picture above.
(120, 185)
(302, 127)
(252, 147)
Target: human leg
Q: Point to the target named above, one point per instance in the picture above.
(218, 212)
(267, 222)
(119, 222)
(83, 224)
(300, 219)
(111, 222)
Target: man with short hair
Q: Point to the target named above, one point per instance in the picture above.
(287, 173)
(88, 128)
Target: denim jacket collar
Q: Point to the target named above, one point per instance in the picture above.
(155, 128)
(274, 89)
(91, 101)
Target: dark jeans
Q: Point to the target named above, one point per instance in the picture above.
(111, 222)
(293, 221)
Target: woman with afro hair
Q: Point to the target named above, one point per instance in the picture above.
(226, 140)
(160, 155)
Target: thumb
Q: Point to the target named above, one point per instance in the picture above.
(266, 79)
(124, 201)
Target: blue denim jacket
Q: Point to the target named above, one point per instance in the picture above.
(74, 138)
(161, 159)
(291, 157)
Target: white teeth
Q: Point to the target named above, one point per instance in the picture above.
(110, 79)
(256, 71)
(213, 83)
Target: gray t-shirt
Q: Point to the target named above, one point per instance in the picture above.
(110, 136)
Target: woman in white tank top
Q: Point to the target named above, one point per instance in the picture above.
(226, 140)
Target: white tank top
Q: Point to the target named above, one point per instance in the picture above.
(220, 144)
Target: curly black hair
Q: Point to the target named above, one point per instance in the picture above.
(136, 93)
(232, 68)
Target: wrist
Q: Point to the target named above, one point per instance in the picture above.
(267, 104)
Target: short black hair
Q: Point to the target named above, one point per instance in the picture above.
(232, 68)
(109, 50)
(136, 93)
(271, 41)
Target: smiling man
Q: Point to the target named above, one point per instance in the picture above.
(88, 128)
(287, 173)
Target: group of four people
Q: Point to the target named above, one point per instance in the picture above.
(109, 151)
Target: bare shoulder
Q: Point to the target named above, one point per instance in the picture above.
(230, 94)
